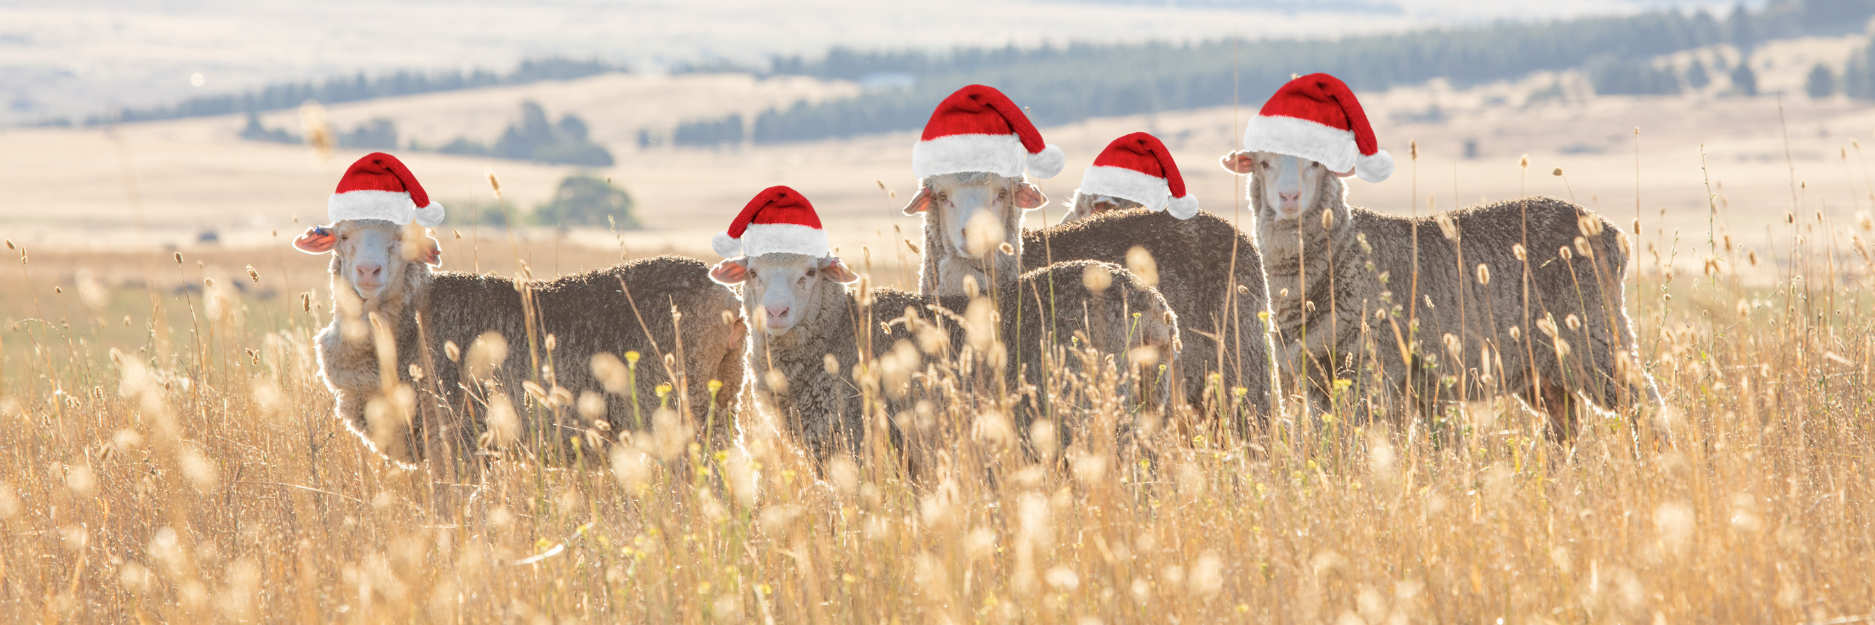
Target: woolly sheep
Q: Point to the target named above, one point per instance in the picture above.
(1339, 274)
(814, 330)
(484, 361)
(1219, 298)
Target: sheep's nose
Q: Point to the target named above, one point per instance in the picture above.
(370, 270)
(779, 312)
(1290, 197)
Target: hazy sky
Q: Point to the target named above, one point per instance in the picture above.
(85, 56)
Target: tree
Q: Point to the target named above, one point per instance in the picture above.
(585, 200)
(1742, 34)
(1821, 83)
(709, 132)
(1696, 75)
(1615, 76)
(1744, 81)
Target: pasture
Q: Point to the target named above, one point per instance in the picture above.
(171, 457)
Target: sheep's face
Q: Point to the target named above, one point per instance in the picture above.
(1289, 183)
(1086, 205)
(779, 290)
(1285, 187)
(975, 212)
(371, 253)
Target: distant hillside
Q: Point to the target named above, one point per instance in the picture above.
(358, 88)
(1080, 81)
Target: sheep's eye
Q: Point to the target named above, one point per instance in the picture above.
(345, 237)
(941, 197)
(810, 273)
(1002, 194)
(752, 274)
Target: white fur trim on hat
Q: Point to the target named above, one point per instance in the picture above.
(762, 239)
(1048, 162)
(1149, 190)
(727, 246)
(430, 216)
(1183, 207)
(392, 206)
(1332, 147)
(997, 154)
(1374, 168)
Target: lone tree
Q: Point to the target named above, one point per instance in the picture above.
(1743, 80)
(584, 200)
(1821, 83)
(1696, 75)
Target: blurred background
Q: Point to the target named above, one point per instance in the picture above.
(641, 127)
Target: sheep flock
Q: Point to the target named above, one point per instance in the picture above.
(1142, 305)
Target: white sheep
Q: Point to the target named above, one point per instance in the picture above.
(482, 361)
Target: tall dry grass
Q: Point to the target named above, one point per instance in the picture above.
(170, 456)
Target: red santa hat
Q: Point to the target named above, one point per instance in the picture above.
(1137, 167)
(980, 129)
(379, 186)
(779, 220)
(1316, 117)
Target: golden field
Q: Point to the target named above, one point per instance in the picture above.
(171, 456)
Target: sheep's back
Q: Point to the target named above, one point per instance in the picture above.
(590, 313)
(1460, 303)
(1196, 271)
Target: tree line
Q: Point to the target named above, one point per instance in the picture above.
(1067, 83)
(533, 138)
(361, 87)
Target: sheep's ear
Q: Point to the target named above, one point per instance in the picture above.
(432, 252)
(731, 271)
(419, 246)
(920, 202)
(1238, 162)
(1029, 196)
(316, 240)
(834, 270)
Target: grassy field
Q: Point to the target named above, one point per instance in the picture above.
(170, 456)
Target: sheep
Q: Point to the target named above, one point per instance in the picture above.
(1219, 298)
(813, 331)
(505, 363)
(1084, 205)
(1521, 295)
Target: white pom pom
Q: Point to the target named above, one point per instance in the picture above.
(727, 246)
(1374, 168)
(1183, 207)
(430, 216)
(1048, 162)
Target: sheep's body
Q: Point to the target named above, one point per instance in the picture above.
(1219, 298)
(820, 406)
(587, 314)
(1328, 283)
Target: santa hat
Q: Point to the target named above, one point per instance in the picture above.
(779, 220)
(379, 186)
(980, 129)
(1137, 167)
(1316, 117)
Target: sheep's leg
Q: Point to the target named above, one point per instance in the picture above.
(727, 369)
(1558, 403)
(350, 409)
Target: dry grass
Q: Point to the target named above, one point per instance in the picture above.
(170, 456)
(186, 468)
